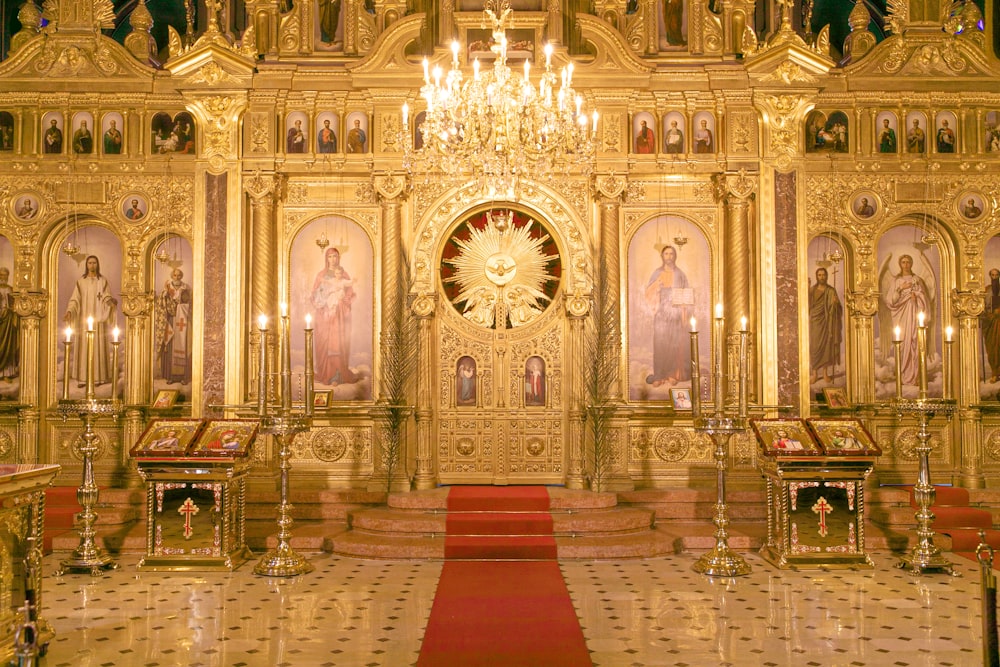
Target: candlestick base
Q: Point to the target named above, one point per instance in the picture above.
(87, 559)
(722, 561)
(282, 561)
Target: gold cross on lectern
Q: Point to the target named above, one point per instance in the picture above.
(188, 509)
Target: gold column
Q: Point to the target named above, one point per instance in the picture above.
(862, 306)
(577, 310)
(137, 360)
(967, 306)
(425, 476)
(392, 344)
(609, 191)
(31, 307)
(736, 192)
(262, 189)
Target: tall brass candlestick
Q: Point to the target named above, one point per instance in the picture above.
(310, 371)
(897, 352)
(717, 349)
(115, 343)
(67, 352)
(946, 366)
(90, 358)
(921, 357)
(262, 372)
(695, 372)
(743, 368)
(286, 361)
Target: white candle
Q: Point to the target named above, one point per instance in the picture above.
(427, 75)
(69, 334)
(921, 357)
(114, 334)
(548, 55)
(946, 366)
(90, 324)
(262, 370)
(695, 372)
(310, 372)
(717, 345)
(897, 351)
(595, 122)
(67, 349)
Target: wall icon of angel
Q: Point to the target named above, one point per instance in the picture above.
(909, 284)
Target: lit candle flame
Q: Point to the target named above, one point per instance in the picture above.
(948, 331)
(262, 322)
(406, 113)
(309, 321)
(743, 323)
(898, 334)
(114, 334)
(920, 319)
(718, 311)
(694, 325)
(69, 334)
(90, 324)
(284, 309)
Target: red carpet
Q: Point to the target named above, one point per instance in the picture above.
(501, 614)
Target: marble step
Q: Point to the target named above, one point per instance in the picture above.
(411, 522)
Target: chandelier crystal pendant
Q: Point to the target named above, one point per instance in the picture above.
(496, 127)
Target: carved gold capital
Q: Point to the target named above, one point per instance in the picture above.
(783, 114)
(577, 305)
(136, 303)
(31, 303)
(966, 304)
(610, 186)
(423, 305)
(220, 115)
(738, 187)
(863, 303)
(260, 186)
(389, 186)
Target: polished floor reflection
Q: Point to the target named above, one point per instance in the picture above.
(633, 613)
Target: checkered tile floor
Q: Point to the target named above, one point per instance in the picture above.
(634, 613)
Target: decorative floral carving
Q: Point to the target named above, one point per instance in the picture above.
(671, 444)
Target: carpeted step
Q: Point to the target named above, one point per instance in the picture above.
(499, 523)
(947, 518)
(967, 539)
(500, 548)
(498, 499)
(945, 496)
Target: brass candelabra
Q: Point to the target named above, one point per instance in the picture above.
(721, 561)
(88, 557)
(284, 423)
(924, 555)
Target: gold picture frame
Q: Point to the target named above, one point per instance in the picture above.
(680, 397)
(167, 437)
(321, 399)
(843, 437)
(836, 398)
(226, 437)
(164, 399)
(785, 437)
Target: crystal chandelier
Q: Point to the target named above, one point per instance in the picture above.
(496, 127)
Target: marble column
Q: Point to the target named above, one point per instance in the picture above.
(425, 476)
(30, 306)
(967, 306)
(786, 288)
